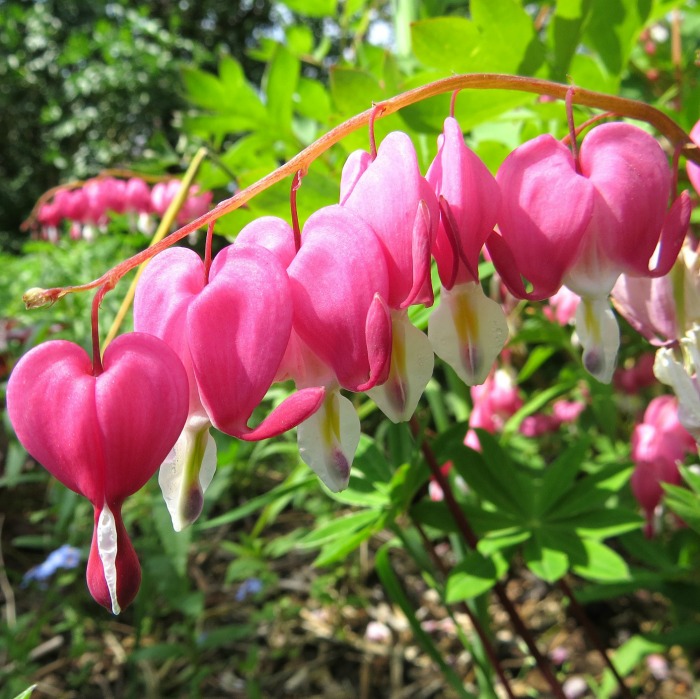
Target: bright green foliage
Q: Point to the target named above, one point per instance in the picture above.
(146, 91)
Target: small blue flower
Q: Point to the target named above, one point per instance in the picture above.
(248, 587)
(64, 557)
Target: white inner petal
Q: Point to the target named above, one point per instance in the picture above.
(107, 548)
(412, 363)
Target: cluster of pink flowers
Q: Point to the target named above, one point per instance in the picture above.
(659, 444)
(88, 208)
(331, 313)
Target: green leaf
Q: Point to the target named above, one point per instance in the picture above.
(600, 524)
(684, 503)
(393, 587)
(505, 24)
(613, 28)
(175, 544)
(257, 503)
(203, 89)
(503, 475)
(313, 101)
(446, 43)
(353, 91)
(535, 359)
(333, 529)
(601, 563)
(26, 693)
(546, 562)
(313, 8)
(231, 74)
(565, 31)
(559, 475)
(339, 549)
(300, 39)
(592, 491)
(626, 658)
(474, 575)
(280, 84)
(502, 539)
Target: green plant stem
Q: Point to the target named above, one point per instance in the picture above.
(474, 81)
(471, 538)
(464, 607)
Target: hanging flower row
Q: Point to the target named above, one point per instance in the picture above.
(327, 307)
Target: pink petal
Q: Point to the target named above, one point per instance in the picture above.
(356, 164)
(693, 168)
(334, 279)
(238, 329)
(126, 568)
(388, 196)
(51, 405)
(298, 407)
(272, 233)
(474, 198)
(170, 283)
(546, 208)
(630, 171)
(379, 341)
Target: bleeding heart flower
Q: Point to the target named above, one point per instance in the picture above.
(584, 224)
(102, 436)
(230, 333)
(342, 327)
(468, 329)
(659, 444)
(391, 195)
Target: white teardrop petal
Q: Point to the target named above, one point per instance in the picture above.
(467, 331)
(599, 335)
(107, 549)
(412, 362)
(328, 440)
(187, 472)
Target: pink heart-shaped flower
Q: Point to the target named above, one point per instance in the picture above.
(101, 436)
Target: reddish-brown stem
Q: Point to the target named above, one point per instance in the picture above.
(207, 250)
(572, 126)
(472, 539)
(453, 103)
(464, 607)
(376, 112)
(97, 368)
(582, 127)
(296, 183)
(476, 81)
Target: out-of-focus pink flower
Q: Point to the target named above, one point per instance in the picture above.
(195, 205)
(659, 443)
(662, 309)
(162, 194)
(561, 308)
(137, 194)
(495, 401)
(563, 412)
(693, 168)
(634, 378)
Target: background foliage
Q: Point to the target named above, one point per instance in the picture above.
(103, 85)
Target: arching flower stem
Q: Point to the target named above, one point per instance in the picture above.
(37, 298)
